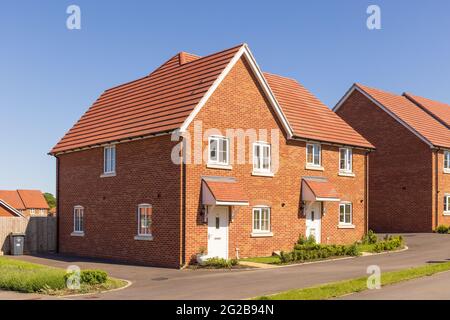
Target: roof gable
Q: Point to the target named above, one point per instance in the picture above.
(7, 210)
(416, 120)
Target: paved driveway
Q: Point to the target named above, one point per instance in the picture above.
(159, 283)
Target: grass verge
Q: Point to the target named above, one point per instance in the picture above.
(26, 277)
(337, 289)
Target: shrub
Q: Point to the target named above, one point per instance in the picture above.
(90, 277)
(388, 244)
(220, 263)
(442, 229)
(370, 238)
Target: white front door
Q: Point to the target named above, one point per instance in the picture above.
(313, 220)
(218, 232)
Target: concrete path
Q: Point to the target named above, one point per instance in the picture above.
(159, 283)
(436, 287)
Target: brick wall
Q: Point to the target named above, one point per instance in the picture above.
(400, 181)
(238, 103)
(145, 174)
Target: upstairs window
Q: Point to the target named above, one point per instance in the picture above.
(447, 161)
(109, 157)
(345, 160)
(144, 220)
(313, 157)
(78, 219)
(218, 151)
(261, 157)
(32, 212)
(345, 214)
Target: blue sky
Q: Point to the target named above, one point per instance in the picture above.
(50, 75)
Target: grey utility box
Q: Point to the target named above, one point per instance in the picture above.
(17, 243)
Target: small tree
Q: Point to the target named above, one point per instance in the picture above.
(51, 200)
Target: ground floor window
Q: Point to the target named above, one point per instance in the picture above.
(261, 219)
(78, 217)
(144, 220)
(447, 203)
(345, 213)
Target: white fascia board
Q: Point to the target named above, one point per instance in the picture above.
(15, 211)
(243, 51)
(393, 115)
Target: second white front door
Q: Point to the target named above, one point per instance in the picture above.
(313, 220)
(218, 232)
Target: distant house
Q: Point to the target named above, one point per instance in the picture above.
(28, 203)
(409, 174)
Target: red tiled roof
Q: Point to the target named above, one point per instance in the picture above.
(164, 99)
(309, 117)
(227, 191)
(24, 199)
(5, 211)
(415, 117)
(438, 109)
(33, 199)
(156, 103)
(322, 189)
(12, 198)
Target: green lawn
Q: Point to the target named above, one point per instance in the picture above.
(341, 288)
(268, 260)
(28, 277)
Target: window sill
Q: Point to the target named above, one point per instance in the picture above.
(446, 213)
(346, 174)
(315, 168)
(219, 166)
(262, 174)
(105, 175)
(261, 234)
(447, 171)
(77, 234)
(144, 238)
(346, 226)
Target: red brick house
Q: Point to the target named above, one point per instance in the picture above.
(29, 203)
(208, 152)
(409, 178)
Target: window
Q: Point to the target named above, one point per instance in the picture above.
(218, 150)
(78, 219)
(345, 213)
(144, 220)
(109, 156)
(313, 154)
(261, 157)
(42, 212)
(261, 220)
(32, 212)
(447, 203)
(345, 160)
(447, 161)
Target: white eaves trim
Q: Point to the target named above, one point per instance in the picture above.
(243, 51)
(13, 210)
(393, 115)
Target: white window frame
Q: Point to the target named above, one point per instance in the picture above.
(446, 161)
(148, 207)
(259, 230)
(32, 212)
(258, 166)
(346, 223)
(348, 160)
(447, 204)
(218, 140)
(319, 151)
(109, 160)
(42, 212)
(78, 220)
